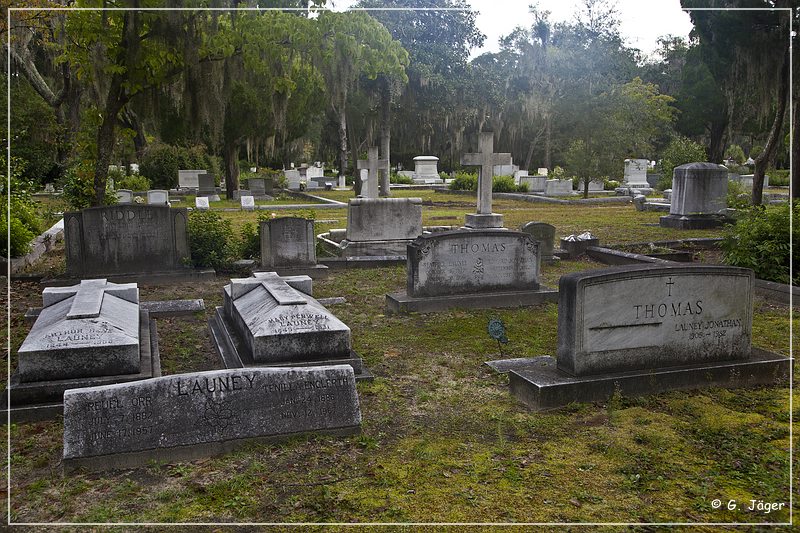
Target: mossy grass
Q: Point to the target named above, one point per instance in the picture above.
(442, 439)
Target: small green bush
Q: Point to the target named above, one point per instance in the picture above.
(610, 185)
(24, 223)
(760, 241)
(735, 153)
(464, 182)
(558, 173)
(738, 197)
(134, 182)
(160, 163)
(778, 178)
(79, 187)
(210, 239)
(400, 179)
(679, 152)
(250, 242)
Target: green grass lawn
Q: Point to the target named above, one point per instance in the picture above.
(442, 439)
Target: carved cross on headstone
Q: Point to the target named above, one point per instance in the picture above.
(372, 164)
(283, 293)
(89, 296)
(486, 159)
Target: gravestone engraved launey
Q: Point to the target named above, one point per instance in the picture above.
(186, 416)
(645, 329)
(476, 268)
(125, 239)
(89, 334)
(273, 321)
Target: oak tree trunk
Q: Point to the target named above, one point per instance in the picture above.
(765, 158)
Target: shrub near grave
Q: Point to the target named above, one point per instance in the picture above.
(760, 241)
(24, 224)
(210, 239)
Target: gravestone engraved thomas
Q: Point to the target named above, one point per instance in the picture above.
(645, 329)
(186, 416)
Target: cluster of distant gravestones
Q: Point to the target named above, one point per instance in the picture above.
(286, 362)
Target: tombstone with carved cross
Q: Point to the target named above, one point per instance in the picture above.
(91, 329)
(277, 322)
(486, 159)
(372, 165)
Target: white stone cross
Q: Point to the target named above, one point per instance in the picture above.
(372, 164)
(486, 159)
(89, 296)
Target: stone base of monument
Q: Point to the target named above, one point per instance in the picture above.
(43, 400)
(540, 385)
(168, 277)
(633, 190)
(401, 302)
(312, 271)
(693, 221)
(483, 221)
(228, 346)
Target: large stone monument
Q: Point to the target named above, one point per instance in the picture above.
(126, 240)
(288, 247)
(426, 170)
(267, 320)
(635, 178)
(699, 196)
(644, 329)
(94, 333)
(486, 159)
(475, 268)
(188, 416)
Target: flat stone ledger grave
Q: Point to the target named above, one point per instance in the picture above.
(126, 239)
(471, 268)
(381, 226)
(268, 320)
(186, 416)
(646, 329)
(88, 334)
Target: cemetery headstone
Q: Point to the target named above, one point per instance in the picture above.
(558, 187)
(248, 203)
(205, 184)
(699, 193)
(288, 246)
(274, 321)
(643, 329)
(382, 226)
(486, 159)
(534, 183)
(201, 203)
(157, 197)
(372, 164)
(541, 171)
(426, 169)
(292, 179)
(260, 187)
(635, 177)
(49, 188)
(477, 268)
(125, 239)
(188, 179)
(505, 170)
(187, 416)
(596, 185)
(88, 334)
(545, 235)
(124, 196)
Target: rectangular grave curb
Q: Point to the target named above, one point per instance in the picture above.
(313, 271)
(32, 402)
(225, 344)
(541, 386)
(188, 453)
(400, 302)
(156, 308)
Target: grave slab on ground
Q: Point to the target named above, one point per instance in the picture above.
(471, 269)
(645, 329)
(269, 320)
(90, 334)
(188, 416)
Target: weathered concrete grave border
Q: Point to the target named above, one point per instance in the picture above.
(186, 416)
(645, 329)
